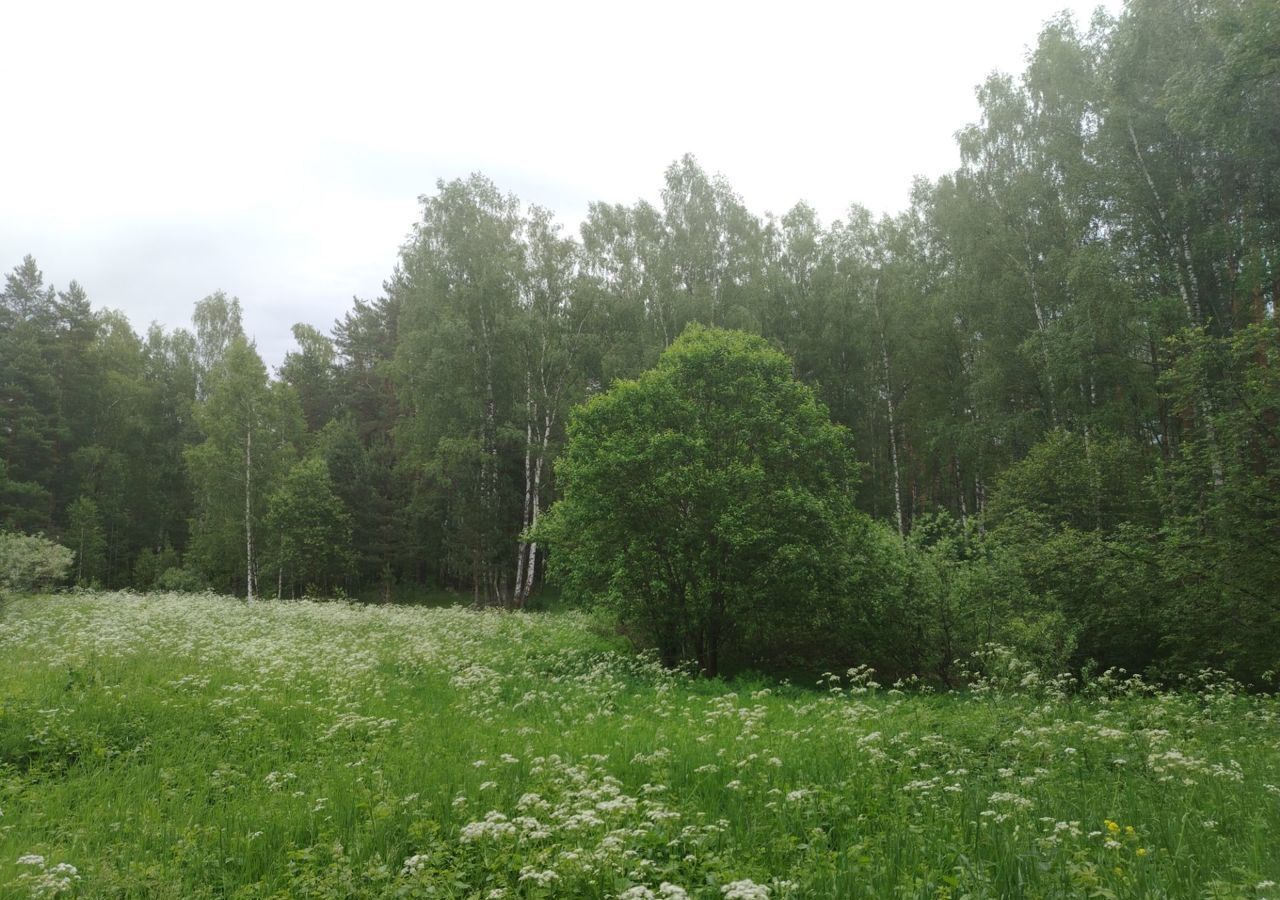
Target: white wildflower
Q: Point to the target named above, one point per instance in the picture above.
(542, 878)
(638, 892)
(415, 864)
(494, 826)
(746, 889)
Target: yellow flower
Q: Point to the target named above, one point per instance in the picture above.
(1142, 851)
(1112, 826)
(1128, 829)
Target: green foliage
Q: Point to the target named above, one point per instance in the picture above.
(250, 428)
(1056, 369)
(708, 500)
(151, 564)
(307, 530)
(182, 579)
(84, 533)
(952, 593)
(332, 750)
(1077, 520)
(311, 372)
(1087, 482)
(457, 375)
(218, 327)
(1107, 587)
(28, 399)
(22, 503)
(1222, 525)
(32, 562)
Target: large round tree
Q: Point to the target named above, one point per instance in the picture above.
(708, 501)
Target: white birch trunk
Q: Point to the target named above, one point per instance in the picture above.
(891, 409)
(548, 421)
(980, 501)
(522, 552)
(1189, 289)
(1206, 404)
(248, 513)
(488, 466)
(1042, 324)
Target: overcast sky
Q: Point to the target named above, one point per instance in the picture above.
(159, 152)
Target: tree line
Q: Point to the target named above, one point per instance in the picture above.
(1058, 367)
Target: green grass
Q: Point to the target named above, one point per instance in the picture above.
(190, 746)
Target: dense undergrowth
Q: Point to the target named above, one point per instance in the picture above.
(193, 746)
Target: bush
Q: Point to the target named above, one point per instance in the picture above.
(709, 502)
(182, 580)
(32, 562)
(151, 564)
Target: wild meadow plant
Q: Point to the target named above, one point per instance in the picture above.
(194, 746)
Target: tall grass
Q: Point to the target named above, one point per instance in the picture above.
(192, 746)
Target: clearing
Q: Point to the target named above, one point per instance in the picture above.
(193, 746)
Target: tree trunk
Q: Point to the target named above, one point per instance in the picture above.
(522, 551)
(1189, 289)
(713, 636)
(1041, 326)
(548, 422)
(248, 514)
(489, 470)
(980, 502)
(891, 409)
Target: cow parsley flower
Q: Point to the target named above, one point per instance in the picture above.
(746, 889)
(413, 865)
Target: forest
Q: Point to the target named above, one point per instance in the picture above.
(1058, 371)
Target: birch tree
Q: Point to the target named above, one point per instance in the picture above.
(217, 323)
(250, 428)
(457, 369)
(556, 311)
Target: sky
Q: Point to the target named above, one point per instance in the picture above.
(157, 152)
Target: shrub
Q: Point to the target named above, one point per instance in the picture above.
(151, 564)
(182, 580)
(709, 502)
(32, 562)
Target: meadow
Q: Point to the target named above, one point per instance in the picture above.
(194, 746)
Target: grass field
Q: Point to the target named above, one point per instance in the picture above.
(190, 746)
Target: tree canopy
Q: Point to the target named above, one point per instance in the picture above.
(1055, 368)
